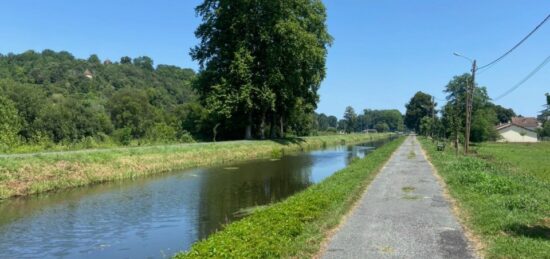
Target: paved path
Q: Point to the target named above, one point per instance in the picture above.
(403, 214)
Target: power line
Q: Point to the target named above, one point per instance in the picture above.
(517, 45)
(539, 67)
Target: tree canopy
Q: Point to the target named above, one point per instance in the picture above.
(420, 106)
(260, 61)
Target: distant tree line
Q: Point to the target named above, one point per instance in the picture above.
(379, 120)
(423, 117)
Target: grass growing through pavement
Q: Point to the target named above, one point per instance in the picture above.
(504, 194)
(296, 226)
(24, 175)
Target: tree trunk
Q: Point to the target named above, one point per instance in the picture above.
(215, 132)
(248, 131)
(282, 126)
(272, 131)
(262, 126)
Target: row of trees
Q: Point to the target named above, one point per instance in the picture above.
(422, 114)
(380, 120)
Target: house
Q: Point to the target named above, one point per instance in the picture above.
(519, 129)
(88, 74)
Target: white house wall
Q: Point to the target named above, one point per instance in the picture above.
(514, 134)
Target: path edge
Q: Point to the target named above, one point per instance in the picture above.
(473, 240)
(330, 234)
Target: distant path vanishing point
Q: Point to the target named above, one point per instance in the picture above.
(403, 214)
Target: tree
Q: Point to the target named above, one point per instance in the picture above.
(10, 124)
(125, 60)
(130, 108)
(332, 121)
(419, 106)
(382, 127)
(258, 59)
(323, 122)
(426, 125)
(350, 117)
(503, 115)
(545, 114)
(483, 125)
(94, 59)
(144, 62)
(483, 112)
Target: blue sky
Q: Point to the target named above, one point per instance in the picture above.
(384, 51)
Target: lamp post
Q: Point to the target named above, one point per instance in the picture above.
(469, 102)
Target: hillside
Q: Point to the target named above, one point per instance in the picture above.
(53, 97)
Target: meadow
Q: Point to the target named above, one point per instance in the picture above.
(25, 174)
(503, 195)
(297, 226)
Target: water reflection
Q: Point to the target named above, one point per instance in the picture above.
(157, 216)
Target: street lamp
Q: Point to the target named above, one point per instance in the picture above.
(469, 97)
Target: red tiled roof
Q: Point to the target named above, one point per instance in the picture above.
(526, 122)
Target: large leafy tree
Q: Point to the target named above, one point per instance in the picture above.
(420, 106)
(484, 116)
(259, 58)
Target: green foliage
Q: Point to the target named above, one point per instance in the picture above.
(258, 59)
(419, 106)
(382, 127)
(58, 104)
(505, 193)
(9, 124)
(296, 226)
(123, 136)
(484, 113)
(483, 125)
(350, 118)
(392, 118)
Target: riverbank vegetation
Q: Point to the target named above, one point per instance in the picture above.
(29, 174)
(503, 192)
(296, 226)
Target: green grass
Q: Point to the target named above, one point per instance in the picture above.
(32, 174)
(503, 193)
(296, 226)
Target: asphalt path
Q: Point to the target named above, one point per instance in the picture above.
(403, 214)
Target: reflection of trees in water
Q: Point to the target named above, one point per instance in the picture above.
(107, 215)
(225, 192)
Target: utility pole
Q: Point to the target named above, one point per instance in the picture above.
(469, 105)
(433, 116)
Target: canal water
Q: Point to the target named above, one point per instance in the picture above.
(156, 217)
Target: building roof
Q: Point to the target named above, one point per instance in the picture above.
(525, 122)
(506, 125)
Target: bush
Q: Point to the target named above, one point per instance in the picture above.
(123, 136)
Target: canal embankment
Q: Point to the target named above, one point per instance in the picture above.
(296, 226)
(43, 172)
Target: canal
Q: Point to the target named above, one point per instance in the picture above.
(158, 216)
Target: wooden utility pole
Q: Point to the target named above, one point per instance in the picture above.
(433, 117)
(469, 105)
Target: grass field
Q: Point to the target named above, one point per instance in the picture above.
(503, 193)
(296, 226)
(31, 174)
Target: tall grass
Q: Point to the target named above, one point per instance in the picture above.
(504, 194)
(31, 174)
(296, 226)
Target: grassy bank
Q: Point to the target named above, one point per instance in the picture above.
(296, 226)
(31, 174)
(504, 195)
